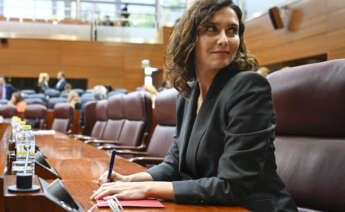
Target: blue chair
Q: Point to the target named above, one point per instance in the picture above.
(52, 93)
(34, 101)
(37, 95)
(85, 98)
(64, 95)
(55, 100)
(3, 101)
(121, 90)
(79, 91)
(28, 91)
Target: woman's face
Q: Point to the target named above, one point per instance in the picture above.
(218, 41)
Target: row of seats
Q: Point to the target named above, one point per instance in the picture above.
(124, 122)
(52, 96)
(36, 116)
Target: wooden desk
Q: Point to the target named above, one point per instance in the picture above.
(80, 165)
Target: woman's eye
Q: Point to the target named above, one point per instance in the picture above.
(211, 29)
(232, 31)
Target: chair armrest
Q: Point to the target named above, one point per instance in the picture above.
(131, 153)
(100, 141)
(81, 137)
(119, 147)
(147, 160)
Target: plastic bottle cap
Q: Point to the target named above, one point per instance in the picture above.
(26, 127)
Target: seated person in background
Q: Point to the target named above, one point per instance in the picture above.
(67, 90)
(223, 152)
(60, 85)
(165, 85)
(109, 88)
(107, 21)
(6, 89)
(74, 100)
(18, 101)
(99, 92)
(152, 90)
(264, 71)
(43, 80)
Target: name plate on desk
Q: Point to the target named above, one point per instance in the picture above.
(51, 197)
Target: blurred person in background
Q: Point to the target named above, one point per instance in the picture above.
(152, 90)
(68, 89)
(99, 92)
(107, 21)
(74, 100)
(18, 101)
(60, 85)
(6, 89)
(43, 82)
(166, 84)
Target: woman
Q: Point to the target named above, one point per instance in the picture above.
(223, 151)
(43, 80)
(74, 100)
(17, 100)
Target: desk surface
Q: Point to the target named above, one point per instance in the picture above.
(80, 165)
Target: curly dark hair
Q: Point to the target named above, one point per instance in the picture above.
(179, 59)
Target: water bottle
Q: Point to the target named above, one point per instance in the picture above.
(25, 150)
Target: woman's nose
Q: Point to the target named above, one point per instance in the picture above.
(222, 38)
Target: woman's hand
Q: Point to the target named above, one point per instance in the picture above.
(122, 190)
(115, 177)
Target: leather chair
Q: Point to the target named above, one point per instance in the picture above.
(36, 116)
(113, 127)
(137, 123)
(55, 100)
(7, 111)
(163, 134)
(63, 117)
(310, 134)
(95, 120)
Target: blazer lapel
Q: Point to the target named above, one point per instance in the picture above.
(187, 126)
(202, 119)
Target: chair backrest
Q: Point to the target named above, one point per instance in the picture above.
(36, 95)
(117, 91)
(138, 119)
(36, 116)
(55, 100)
(7, 111)
(115, 113)
(79, 91)
(52, 92)
(34, 101)
(28, 91)
(309, 99)
(89, 117)
(310, 142)
(101, 118)
(163, 134)
(63, 117)
(3, 101)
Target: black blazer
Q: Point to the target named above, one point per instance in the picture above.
(226, 156)
(60, 87)
(9, 90)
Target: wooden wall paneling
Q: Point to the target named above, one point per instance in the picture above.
(320, 31)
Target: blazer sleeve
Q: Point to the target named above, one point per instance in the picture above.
(248, 134)
(168, 170)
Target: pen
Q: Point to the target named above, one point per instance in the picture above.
(111, 164)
